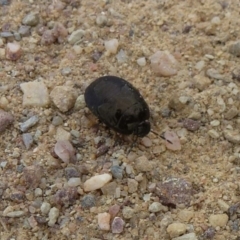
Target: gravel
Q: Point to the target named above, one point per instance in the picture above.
(183, 56)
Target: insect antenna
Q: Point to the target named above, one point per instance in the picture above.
(161, 136)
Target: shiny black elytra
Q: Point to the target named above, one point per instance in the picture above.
(119, 105)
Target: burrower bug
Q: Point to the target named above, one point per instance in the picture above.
(119, 105)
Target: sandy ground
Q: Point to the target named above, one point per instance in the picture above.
(199, 34)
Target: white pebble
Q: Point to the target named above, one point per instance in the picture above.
(215, 123)
(64, 150)
(111, 46)
(38, 192)
(74, 182)
(164, 63)
(13, 51)
(96, 182)
(141, 61)
(53, 216)
(45, 207)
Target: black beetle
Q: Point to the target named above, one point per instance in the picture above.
(119, 105)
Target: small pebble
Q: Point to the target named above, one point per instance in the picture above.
(176, 229)
(65, 151)
(117, 225)
(33, 175)
(27, 140)
(191, 125)
(132, 185)
(45, 208)
(155, 207)
(213, 73)
(232, 136)
(74, 182)
(201, 82)
(88, 201)
(114, 210)
(188, 236)
(76, 36)
(127, 212)
(71, 172)
(53, 216)
(213, 133)
(142, 164)
(13, 51)
(141, 61)
(80, 103)
(101, 20)
(97, 182)
(234, 49)
(24, 31)
(174, 143)
(111, 46)
(218, 220)
(57, 120)
(15, 214)
(63, 98)
(6, 119)
(117, 172)
(146, 142)
(109, 188)
(35, 94)
(121, 56)
(66, 196)
(104, 221)
(31, 19)
(29, 123)
(186, 215)
(164, 63)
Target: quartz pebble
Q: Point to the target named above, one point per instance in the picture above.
(218, 220)
(213, 73)
(164, 64)
(63, 98)
(104, 221)
(29, 123)
(213, 133)
(5, 120)
(111, 46)
(53, 216)
(141, 61)
(176, 229)
(96, 182)
(146, 142)
(45, 208)
(121, 56)
(35, 94)
(174, 143)
(117, 225)
(65, 151)
(74, 182)
(13, 51)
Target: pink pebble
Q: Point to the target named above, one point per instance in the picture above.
(174, 142)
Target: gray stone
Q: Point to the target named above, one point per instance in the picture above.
(127, 212)
(27, 140)
(31, 19)
(76, 36)
(234, 49)
(29, 123)
(117, 172)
